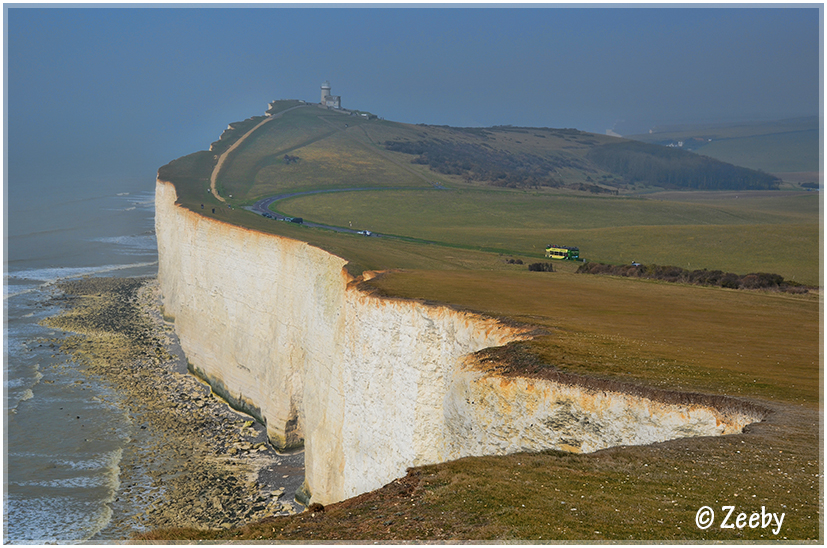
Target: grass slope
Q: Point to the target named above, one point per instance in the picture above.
(774, 147)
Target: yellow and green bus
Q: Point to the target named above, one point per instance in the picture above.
(563, 252)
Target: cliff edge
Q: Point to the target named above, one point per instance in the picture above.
(370, 385)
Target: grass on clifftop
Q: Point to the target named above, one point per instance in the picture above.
(740, 343)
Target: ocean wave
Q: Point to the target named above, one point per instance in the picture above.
(54, 274)
(145, 196)
(54, 520)
(104, 479)
(77, 482)
(107, 460)
(75, 509)
(148, 206)
(142, 242)
(16, 383)
(18, 289)
(18, 396)
(23, 395)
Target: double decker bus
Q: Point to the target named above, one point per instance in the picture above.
(563, 252)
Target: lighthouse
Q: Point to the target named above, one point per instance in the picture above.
(325, 91)
(328, 100)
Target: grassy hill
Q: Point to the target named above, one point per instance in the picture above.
(781, 147)
(503, 190)
(313, 147)
(466, 205)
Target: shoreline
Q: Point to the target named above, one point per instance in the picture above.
(190, 459)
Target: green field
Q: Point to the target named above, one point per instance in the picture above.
(753, 233)
(760, 347)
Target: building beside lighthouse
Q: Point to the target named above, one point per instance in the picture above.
(328, 100)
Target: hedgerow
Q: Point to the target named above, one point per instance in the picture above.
(716, 278)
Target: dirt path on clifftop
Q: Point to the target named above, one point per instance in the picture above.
(223, 157)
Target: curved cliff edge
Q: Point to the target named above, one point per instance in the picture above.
(371, 386)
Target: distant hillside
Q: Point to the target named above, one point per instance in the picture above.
(315, 148)
(785, 146)
(536, 157)
(653, 165)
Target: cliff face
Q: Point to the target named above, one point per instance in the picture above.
(370, 386)
(272, 324)
(488, 414)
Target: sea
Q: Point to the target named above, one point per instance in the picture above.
(64, 432)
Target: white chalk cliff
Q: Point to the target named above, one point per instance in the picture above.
(371, 386)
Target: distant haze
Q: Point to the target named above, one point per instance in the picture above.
(116, 92)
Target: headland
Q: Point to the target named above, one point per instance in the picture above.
(378, 374)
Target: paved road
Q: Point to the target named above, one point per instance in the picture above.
(262, 207)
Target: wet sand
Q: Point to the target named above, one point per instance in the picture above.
(191, 460)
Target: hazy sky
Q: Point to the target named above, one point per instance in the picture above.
(117, 92)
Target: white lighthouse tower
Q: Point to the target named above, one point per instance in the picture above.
(325, 91)
(328, 100)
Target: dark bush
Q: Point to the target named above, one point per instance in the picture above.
(759, 280)
(541, 267)
(630, 271)
(751, 281)
(769, 280)
(730, 281)
(706, 277)
(794, 289)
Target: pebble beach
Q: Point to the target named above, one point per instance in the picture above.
(190, 460)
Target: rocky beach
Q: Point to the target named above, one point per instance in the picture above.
(190, 460)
